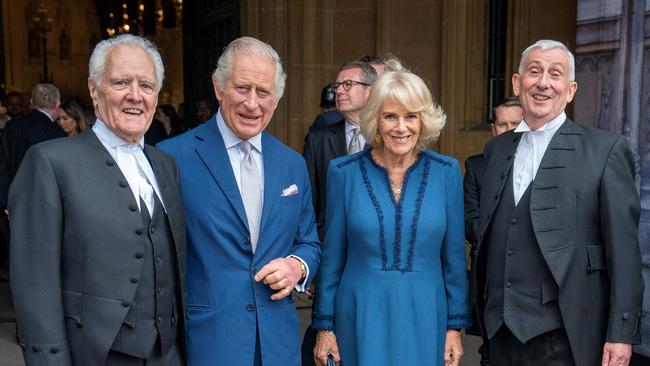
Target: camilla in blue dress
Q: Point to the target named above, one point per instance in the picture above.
(393, 275)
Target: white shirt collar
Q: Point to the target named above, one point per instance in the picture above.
(551, 125)
(349, 126)
(229, 138)
(108, 137)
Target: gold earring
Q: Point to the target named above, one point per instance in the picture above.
(377, 138)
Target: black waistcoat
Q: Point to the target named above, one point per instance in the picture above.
(521, 291)
(155, 308)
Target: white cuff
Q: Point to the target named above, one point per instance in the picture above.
(300, 287)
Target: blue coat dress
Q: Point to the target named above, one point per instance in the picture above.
(393, 277)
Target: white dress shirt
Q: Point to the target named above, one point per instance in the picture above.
(530, 151)
(235, 154)
(141, 177)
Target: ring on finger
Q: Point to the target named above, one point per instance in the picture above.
(287, 290)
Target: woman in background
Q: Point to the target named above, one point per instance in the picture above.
(393, 282)
(165, 124)
(72, 118)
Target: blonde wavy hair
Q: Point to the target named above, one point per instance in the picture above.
(410, 91)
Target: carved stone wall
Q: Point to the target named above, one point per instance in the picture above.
(75, 31)
(443, 41)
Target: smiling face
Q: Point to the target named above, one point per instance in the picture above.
(543, 86)
(399, 129)
(126, 97)
(248, 99)
(67, 123)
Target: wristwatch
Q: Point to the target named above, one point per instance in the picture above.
(303, 270)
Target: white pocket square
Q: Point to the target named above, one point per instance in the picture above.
(290, 191)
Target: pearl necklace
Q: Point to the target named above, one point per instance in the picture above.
(395, 189)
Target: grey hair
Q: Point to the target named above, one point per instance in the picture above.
(45, 96)
(249, 46)
(547, 44)
(368, 73)
(98, 58)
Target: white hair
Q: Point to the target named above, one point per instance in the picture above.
(98, 58)
(547, 44)
(249, 46)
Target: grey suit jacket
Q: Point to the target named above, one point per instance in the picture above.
(585, 213)
(76, 243)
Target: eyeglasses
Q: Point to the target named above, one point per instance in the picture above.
(347, 84)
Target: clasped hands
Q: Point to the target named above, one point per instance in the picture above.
(281, 274)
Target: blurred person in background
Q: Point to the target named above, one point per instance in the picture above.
(165, 124)
(15, 103)
(72, 118)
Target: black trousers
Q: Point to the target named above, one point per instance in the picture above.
(171, 357)
(548, 349)
(639, 360)
(307, 347)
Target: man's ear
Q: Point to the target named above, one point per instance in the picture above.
(515, 84)
(217, 90)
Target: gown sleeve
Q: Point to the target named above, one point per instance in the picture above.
(334, 251)
(453, 252)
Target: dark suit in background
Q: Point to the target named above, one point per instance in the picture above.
(17, 137)
(325, 119)
(21, 134)
(321, 146)
(474, 170)
(82, 275)
(575, 229)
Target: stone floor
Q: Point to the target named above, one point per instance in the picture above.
(10, 354)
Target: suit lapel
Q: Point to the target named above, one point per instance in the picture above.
(494, 179)
(168, 197)
(272, 189)
(336, 140)
(161, 178)
(212, 151)
(89, 136)
(546, 202)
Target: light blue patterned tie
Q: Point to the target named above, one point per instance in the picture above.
(251, 192)
(354, 142)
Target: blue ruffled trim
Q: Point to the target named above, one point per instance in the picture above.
(352, 159)
(322, 321)
(380, 214)
(457, 321)
(397, 245)
(416, 216)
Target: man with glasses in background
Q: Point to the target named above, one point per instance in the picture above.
(352, 88)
